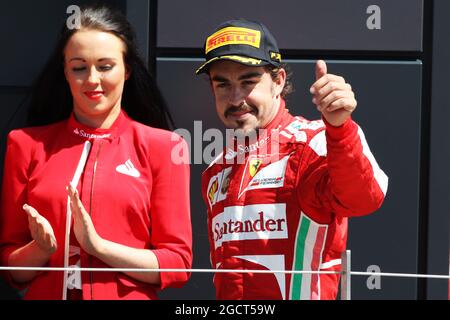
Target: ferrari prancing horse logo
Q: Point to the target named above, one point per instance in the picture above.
(255, 164)
(212, 191)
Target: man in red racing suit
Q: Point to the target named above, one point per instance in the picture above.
(281, 201)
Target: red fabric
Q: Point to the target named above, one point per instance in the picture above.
(150, 211)
(254, 221)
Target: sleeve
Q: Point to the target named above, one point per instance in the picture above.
(212, 251)
(341, 174)
(171, 221)
(14, 232)
(212, 246)
(205, 182)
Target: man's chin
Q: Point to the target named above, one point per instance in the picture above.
(244, 131)
(243, 128)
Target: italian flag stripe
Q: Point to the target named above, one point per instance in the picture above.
(296, 282)
(316, 261)
(309, 244)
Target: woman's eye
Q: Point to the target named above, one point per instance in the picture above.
(105, 68)
(78, 69)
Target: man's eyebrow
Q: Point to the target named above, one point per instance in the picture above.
(243, 77)
(251, 75)
(219, 79)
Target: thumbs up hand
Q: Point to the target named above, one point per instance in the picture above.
(333, 97)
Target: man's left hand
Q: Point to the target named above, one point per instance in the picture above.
(333, 97)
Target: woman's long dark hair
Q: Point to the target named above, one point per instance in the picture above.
(142, 100)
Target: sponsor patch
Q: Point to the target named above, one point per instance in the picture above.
(254, 166)
(213, 190)
(268, 176)
(218, 186)
(128, 169)
(242, 149)
(233, 35)
(258, 221)
(275, 56)
(298, 125)
(84, 134)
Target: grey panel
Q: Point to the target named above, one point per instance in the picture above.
(138, 16)
(13, 104)
(389, 98)
(298, 24)
(439, 198)
(189, 100)
(389, 95)
(35, 32)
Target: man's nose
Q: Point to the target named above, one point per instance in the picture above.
(236, 97)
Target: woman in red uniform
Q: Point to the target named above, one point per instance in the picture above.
(92, 182)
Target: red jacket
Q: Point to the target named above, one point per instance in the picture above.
(135, 194)
(285, 207)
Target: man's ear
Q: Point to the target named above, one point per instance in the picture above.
(280, 81)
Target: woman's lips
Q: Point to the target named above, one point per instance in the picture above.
(94, 95)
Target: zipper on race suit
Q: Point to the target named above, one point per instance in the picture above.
(91, 274)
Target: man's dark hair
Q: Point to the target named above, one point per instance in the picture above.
(288, 86)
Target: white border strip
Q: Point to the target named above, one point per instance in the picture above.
(355, 273)
(163, 270)
(73, 183)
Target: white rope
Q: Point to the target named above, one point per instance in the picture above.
(165, 270)
(353, 273)
(400, 275)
